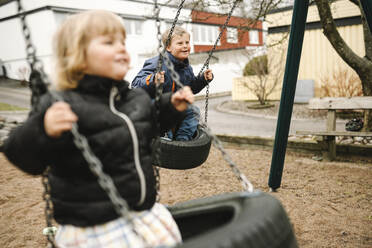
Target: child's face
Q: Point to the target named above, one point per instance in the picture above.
(180, 46)
(107, 56)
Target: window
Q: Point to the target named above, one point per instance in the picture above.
(253, 37)
(232, 35)
(133, 27)
(204, 34)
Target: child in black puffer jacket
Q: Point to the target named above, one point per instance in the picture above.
(119, 124)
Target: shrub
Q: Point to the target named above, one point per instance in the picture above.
(342, 83)
(256, 66)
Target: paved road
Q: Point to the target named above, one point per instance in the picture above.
(249, 125)
(18, 96)
(219, 122)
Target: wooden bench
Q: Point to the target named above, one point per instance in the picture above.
(327, 138)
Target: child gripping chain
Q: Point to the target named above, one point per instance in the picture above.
(91, 63)
(178, 51)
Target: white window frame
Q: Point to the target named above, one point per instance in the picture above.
(232, 35)
(133, 27)
(205, 34)
(254, 37)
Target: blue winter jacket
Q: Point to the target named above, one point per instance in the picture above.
(145, 78)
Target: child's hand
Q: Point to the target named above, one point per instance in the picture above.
(182, 98)
(58, 119)
(159, 77)
(208, 75)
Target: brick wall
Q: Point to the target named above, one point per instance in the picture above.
(242, 24)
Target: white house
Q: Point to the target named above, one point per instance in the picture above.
(44, 16)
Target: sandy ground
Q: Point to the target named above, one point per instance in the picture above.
(329, 203)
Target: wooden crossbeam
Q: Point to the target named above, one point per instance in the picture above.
(359, 102)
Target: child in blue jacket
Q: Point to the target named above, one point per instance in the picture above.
(178, 50)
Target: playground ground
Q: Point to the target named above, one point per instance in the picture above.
(329, 203)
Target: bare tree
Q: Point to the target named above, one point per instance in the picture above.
(266, 78)
(361, 65)
(253, 10)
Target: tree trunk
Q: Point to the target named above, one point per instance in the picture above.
(362, 66)
(367, 91)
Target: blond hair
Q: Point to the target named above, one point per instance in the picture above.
(178, 31)
(72, 39)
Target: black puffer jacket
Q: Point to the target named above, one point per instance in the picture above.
(77, 197)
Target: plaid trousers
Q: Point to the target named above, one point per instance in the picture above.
(155, 226)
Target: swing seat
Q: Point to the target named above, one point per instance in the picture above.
(182, 155)
(254, 220)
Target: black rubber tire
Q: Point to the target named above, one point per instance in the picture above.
(182, 155)
(254, 220)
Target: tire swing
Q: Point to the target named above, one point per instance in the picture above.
(247, 219)
(182, 155)
(254, 220)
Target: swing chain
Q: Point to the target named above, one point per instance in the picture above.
(206, 103)
(119, 204)
(80, 141)
(38, 88)
(223, 27)
(105, 181)
(30, 48)
(158, 86)
(158, 93)
(36, 65)
(159, 36)
(48, 207)
(174, 23)
(157, 180)
(206, 63)
(247, 185)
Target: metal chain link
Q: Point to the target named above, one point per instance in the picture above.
(158, 93)
(48, 210)
(223, 27)
(95, 165)
(206, 63)
(247, 185)
(174, 23)
(36, 65)
(157, 180)
(105, 181)
(206, 104)
(158, 85)
(159, 36)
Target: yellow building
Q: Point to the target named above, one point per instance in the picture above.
(319, 61)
